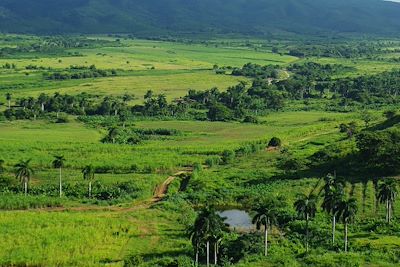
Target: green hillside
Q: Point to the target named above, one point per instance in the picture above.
(153, 17)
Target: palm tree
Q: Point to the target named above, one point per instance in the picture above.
(265, 215)
(196, 238)
(58, 163)
(306, 207)
(113, 134)
(387, 193)
(24, 172)
(208, 227)
(347, 210)
(217, 233)
(88, 174)
(9, 97)
(333, 194)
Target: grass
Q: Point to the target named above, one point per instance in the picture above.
(83, 236)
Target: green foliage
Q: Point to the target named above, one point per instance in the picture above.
(228, 156)
(10, 201)
(275, 142)
(133, 261)
(219, 112)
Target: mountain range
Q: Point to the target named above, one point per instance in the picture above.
(157, 17)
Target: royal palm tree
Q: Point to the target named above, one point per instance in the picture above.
(58, 163)
(9, 97)
(89, 175)
(209, 228)
(265, 215)
(217, 233)
(306, 207)
(195, 235)
(387, 193)
(332, 194)
(24, 172)
(347, 210)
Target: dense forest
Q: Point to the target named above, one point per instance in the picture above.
(256, 17)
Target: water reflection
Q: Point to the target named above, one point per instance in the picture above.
(238, 220)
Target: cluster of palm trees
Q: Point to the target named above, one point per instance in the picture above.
(208, 229)
(24, 173)
(334, 202)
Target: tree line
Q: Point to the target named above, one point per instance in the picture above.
(24, 172)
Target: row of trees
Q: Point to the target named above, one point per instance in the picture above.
(24, 171)
(209, 227)
(309, 80)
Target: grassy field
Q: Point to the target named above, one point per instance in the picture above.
(169, 68)
(84, 232)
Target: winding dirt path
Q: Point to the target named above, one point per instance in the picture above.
(159, 194)
(162, 189)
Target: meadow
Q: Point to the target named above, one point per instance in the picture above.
(227, 163)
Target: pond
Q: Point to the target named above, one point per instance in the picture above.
(238, 220)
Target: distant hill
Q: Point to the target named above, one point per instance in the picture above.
(153, 17)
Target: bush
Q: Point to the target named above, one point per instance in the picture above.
(250, 119)
(213, 161)
(275, 142)
(62, 119)
(228, 156)
(133, 261)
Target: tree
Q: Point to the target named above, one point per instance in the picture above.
(209, 228)
(9, 97)
(333, 194)
(1, 166)
(89, 175)
(387, 193)
(306, 207)
(347, 210)
(42, 99)
(219, 112)
(24, 172)
(265, 215)
(112, 134)
(58, 163)
(195, 235)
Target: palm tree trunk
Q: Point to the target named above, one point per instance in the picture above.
(60, 183)
(387, 211)
(307, 233)
(26, 186)
(333, 228)
(9, 104)
(208, 253)
(90, 189)
(345, 237)
(197, 255)
(215, 253)
(266, 240)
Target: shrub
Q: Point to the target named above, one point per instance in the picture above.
(250, 119)
(213, 161)
(275, 142)
(228, 156)
(133, 261)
